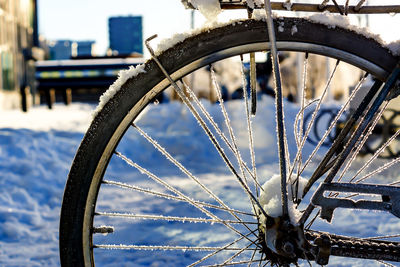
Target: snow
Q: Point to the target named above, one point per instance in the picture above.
(209, 8)
(254, 3)
(271, 200)
(123, 76)
(335, 20)
(37, 148)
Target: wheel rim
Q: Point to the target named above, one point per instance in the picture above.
(283, 46)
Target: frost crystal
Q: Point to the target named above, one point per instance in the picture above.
(333, 21)
(123, 76)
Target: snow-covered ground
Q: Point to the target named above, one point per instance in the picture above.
(36, 151)
(37, 148)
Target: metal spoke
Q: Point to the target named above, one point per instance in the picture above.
(298, 135)
(230, 130)
(335, 120)
(252, 258)
(168, 218)
(200, 120)
(359, 5)
(360, 144)
(232, 263)
(169, 196)
(376, 154)
(165, 248)
(386, 263)
(381, 237)
(235, 255)
(221, 249)
(330, 153)
(174, 190)
(323, 4)
(183, 169)
(380, 169)
(214, 124)
(308, 130)
(249, 126)
(380, 98)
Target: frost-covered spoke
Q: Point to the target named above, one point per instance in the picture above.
(298, 135)
(334, 122)
(167, 218)
(231, 134)
(235, 255)
(169, 196)
(359, 5)
(152, 248)
(228, 124)
(249, 128)
(363, 141)
(252, 258)
(183, 169)
(323, 4)
(214, 124)
(382, 237)
(386, 263)
(233, 263)
(376, 154)
(204, 126)
(380, 169)
(179, 193)
(221, 249)
(298, 157)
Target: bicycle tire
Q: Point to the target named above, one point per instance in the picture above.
(110, 124)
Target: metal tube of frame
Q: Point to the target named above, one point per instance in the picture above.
(279, 107)
(316, 8)
(364, 124)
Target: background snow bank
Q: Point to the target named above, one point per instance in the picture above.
(36, 151)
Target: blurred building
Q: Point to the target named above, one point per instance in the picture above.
(84, 49)
(60, 49)
(67, 49)
(125, 34)
(19, 48)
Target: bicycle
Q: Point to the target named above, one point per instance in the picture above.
(263, 218)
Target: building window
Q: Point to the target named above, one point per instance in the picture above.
(7, 71)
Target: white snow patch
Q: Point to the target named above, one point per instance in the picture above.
(333, 20)
(394, 47)
(271, 201)
(294, 29)
(123, 76)
(281, 26)
(255, 3)
(209, 8)
(177, 38)
(288, 5)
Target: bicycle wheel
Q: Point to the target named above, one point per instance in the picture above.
(151, 200)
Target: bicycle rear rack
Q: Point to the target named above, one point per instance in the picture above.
(307, 7)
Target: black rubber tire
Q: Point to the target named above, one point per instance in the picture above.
(116, 109)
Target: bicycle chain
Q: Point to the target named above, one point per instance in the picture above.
(359, 248)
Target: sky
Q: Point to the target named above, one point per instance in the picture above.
(88, 19)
